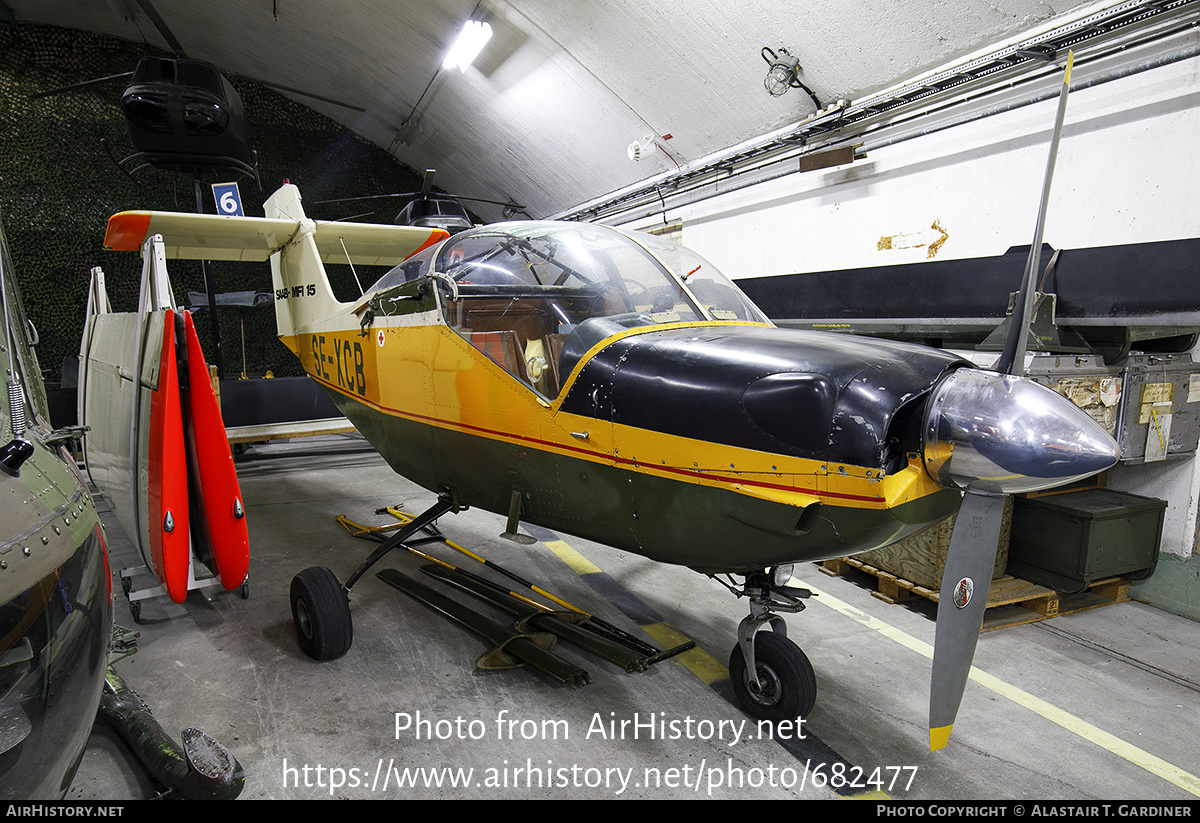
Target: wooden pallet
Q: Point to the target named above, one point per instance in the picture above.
(1011, 601)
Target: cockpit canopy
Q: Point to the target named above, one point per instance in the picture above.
(634, 272)
(535, 296)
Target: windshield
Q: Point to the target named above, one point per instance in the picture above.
(715, 292)
(565, 258)
(570, 261)
(535, 296)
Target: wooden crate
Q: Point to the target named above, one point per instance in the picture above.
(921, 558)
(1011, 601)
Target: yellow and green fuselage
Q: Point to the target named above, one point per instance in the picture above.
(445, 415)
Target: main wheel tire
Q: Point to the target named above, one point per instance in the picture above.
(321, 612)
(787, 686)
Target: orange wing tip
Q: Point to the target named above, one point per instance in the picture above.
(436, 236)
(939, 737)
(127, 231)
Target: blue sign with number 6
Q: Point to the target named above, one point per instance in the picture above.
(229, 202)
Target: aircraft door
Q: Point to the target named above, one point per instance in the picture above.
(584, 475)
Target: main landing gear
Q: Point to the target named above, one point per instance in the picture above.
(321, 605)
(772, 678)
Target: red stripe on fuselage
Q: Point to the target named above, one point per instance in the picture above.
(600, 456)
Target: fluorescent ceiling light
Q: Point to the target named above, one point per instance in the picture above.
(470, 40)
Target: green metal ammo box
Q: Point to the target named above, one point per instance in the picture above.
(1069, 541)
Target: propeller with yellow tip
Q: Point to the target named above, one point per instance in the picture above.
(992, 434)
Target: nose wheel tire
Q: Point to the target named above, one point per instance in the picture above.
(321, 612)
(786, 688)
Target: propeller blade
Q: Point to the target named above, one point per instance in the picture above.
(301, 93)
(413, 194)
(370, 197)
(1013, 356)
(965, 583)
(509, 202)
(86, 84)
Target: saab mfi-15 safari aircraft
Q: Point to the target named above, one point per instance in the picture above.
(617, 387)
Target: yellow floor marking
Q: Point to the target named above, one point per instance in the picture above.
(572, 558)
(1155, 765)
(698, 662)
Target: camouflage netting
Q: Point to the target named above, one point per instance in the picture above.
(59, 184)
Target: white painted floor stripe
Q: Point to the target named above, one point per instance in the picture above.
(1155, 765)
(1142, 759)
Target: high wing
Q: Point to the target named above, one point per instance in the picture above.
(255, 239)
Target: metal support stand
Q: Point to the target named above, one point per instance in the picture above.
(570, 623)
(406, 531)
(135, 597)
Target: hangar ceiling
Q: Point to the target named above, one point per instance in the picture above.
(545, 114)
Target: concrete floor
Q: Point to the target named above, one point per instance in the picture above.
(1097, 705)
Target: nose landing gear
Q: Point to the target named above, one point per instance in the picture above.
(772, 678)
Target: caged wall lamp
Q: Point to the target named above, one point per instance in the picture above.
(784, 74)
